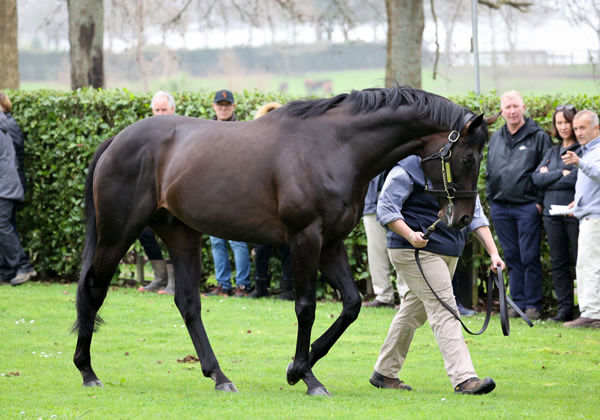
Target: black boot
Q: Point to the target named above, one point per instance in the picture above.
(287, 292)
(260, 288)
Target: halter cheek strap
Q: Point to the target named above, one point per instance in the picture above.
(450, 190)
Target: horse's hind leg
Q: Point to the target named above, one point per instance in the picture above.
(184, 249)
(334, 266)
(305, 248)
(91, 293)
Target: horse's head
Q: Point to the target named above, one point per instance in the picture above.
(451, 163)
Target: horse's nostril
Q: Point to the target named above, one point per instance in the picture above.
(465, 220)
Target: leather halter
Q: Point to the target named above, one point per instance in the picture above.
(450, 190)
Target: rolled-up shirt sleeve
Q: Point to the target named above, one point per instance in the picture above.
(397, 188)
(479, 218)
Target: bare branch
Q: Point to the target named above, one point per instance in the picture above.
(437, 43)
(521, 6)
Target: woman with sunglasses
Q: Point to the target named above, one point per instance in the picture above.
(557, 181)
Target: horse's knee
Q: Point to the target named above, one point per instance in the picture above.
(305, 311)
(351, 309)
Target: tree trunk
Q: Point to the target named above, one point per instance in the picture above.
(406, 22)
(9, 50)
(86, 32)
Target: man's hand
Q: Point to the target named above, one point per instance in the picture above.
(543, 169)
(497, 262)
(416, 239)
(570, 158)
(566, 172)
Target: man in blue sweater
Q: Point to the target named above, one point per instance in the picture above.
(587, 210)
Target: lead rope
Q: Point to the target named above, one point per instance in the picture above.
(496, 278)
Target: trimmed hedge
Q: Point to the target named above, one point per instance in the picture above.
(63, 129)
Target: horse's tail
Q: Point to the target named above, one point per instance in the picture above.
(87, 315)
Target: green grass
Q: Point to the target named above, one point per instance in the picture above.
(450, 81)
(542, 372)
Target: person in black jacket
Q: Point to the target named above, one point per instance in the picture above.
(14, 264)
(514, 153)
(557, 181)
(16, 135)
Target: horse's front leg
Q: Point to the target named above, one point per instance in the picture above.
(335, 268)
(305, 249)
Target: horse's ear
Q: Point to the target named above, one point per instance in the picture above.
(474, 123)
(491, 120)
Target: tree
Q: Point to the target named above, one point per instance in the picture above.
(86, 32)
(8, 45)
(586, 13)
(406, 22)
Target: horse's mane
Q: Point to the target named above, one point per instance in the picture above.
(432, 107)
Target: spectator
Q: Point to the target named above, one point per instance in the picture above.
(262, 253)
(377, 255)
(557, 181)
(515, 151)
(164, 283)
(587, 210)
(224, 107)
(14, 264)
(162, 103)
(403, 207)
(15, 133)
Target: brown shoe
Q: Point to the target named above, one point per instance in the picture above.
(475, 386)
(241, 291)
(217, 291)
(512, 313)
(533, 313)
(583, 322)
(377, 304)
(380, 381)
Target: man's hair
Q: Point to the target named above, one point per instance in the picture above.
(5, 103)
(591, 116)
(161, 93)
(512, 94)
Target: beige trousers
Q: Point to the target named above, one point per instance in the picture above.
(379, 262)
(419, 305)
(588, 268)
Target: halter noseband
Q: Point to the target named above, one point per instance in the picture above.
(450, 190)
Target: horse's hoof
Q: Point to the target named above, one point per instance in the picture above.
(319, 391)
(95, 382)
(226, 386)
(290, 379)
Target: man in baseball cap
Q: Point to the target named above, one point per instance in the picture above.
(224, 105)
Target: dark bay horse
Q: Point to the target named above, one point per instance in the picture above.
(296, 176)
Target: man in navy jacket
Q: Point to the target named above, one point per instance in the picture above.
(514, 153)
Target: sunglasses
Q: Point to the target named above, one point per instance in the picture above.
(565, 108)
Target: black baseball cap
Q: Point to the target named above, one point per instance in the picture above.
(224, 95)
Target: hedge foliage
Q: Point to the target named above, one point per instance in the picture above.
(63, 129)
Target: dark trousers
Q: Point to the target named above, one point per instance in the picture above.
(519, 229)
(150, 245)
(262, 255)
(562, 233)
(13, 259)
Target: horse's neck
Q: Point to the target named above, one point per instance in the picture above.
(380, 141)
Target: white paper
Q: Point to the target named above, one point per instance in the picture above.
(556, 210)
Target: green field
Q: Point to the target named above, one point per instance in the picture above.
(542, 372)
(452, 81)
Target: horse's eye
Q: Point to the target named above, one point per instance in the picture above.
(469, 161)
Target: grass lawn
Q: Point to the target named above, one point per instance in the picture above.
(542, 372)
(449, 82)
